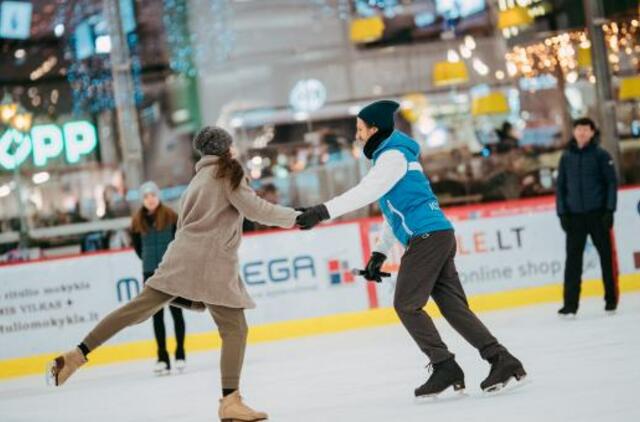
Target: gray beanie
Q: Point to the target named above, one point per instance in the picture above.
(149, 187)
(212, 140)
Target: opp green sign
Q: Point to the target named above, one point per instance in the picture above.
(47, 142)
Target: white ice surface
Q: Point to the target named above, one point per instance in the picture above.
(583, 370)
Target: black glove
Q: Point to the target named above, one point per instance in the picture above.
(312, 216)
(564, 222)
(372, 270)
(607, 219)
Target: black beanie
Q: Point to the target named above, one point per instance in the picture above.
(379, 114)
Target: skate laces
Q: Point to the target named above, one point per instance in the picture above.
(429, 367)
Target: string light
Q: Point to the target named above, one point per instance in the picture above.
(90, 78)
(560, 51)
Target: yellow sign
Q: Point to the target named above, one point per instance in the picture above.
(584, 57)
(629, 88)
(450, 73)
(514, 17)
(367, 29)
(412, 106)
(493, 103)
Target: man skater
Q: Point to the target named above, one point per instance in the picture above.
(585, 201)
(413, 216)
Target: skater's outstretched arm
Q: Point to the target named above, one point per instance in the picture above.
(245, 200)
(390, 167)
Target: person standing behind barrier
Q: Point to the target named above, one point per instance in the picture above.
(152, 229)
(586, 198)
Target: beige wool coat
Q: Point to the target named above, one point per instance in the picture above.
(201, 263)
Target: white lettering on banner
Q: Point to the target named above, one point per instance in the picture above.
(48, 306)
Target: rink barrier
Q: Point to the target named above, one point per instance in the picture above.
(207, 341)
(341, 306)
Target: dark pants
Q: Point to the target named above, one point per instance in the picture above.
(427, 269)
(578, 228)
(160, 332)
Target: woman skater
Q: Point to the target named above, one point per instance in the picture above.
(200, 265)
(152, 229)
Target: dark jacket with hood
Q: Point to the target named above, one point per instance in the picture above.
(586, 180)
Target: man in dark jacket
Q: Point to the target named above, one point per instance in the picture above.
(586, 200)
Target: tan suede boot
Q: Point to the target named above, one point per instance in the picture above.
(63, 366)
(233, 410)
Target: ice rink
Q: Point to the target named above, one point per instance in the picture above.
(579, 370)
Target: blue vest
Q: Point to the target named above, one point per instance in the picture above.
(410, 207)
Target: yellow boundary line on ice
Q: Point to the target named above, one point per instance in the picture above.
(313, 326)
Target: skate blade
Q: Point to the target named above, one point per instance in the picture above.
(50, 374)
(568, 317)
(243, 420)
(162, 373)
(512, 383)
(449, 394)
(611, 313)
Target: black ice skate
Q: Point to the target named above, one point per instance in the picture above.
(445, 374)
(504, 367)
(610, 308)
(567, 312)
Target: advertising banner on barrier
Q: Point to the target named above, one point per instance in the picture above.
(627, 230)
(47, 306)
(518, 245)
(303, 274)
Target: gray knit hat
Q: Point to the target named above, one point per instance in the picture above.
(212, 140)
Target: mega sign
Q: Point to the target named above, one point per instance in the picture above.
(47, 142)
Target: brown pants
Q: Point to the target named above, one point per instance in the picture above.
(231, 323)
(428, 270)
